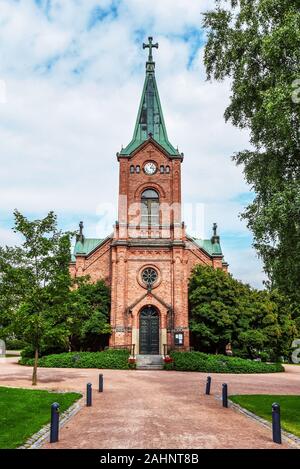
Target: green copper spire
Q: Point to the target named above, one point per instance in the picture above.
(150, 120)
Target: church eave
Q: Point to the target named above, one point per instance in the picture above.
(214, 251)
(88, 253)
(144, 143)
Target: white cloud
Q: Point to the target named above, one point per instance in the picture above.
(244, 265)
(8, 237)
(60, 130)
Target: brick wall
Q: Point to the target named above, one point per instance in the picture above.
(120, 262)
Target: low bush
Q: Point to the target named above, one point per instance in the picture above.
(198, 361)
(111, 358)
(29, 350)
(15, 344)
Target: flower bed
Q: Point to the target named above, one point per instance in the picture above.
(132, 362)
(168, 359)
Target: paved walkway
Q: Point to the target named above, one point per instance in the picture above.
(157, 409)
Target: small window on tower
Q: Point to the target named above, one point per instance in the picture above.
(150, 208)
(167, 169)
(138, 169)
(131, 169)
(162, 169)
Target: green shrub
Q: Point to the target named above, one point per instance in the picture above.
(15, 344)
(29, 351)
(111, 358)
(198, 361)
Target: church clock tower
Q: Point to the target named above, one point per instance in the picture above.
(149, 240)
(148, 259)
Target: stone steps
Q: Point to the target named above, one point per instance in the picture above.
(149, 362)
(150, 367)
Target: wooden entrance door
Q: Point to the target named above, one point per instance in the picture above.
(149, 331)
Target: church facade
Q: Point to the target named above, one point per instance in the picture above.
(149, 257)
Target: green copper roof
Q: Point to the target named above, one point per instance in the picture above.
(213, 249)
(150, 120)
(86, 247)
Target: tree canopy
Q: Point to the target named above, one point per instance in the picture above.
(257, 44)
(88, 317)
(224, 310)
(35, 284)
(39, 301)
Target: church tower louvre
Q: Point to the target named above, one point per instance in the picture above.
(148, 259)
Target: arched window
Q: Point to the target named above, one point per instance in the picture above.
(132, 169)
(162, 169)
(150, 208)
(138, 169)
(167, 169)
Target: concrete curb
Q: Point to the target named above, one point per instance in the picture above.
(39, 438)
(288, 438)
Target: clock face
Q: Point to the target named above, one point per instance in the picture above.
(150, 168)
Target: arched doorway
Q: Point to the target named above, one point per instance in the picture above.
(149, 331)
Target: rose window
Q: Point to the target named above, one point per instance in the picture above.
(149, 277)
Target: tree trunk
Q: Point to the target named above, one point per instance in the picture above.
(34, 373)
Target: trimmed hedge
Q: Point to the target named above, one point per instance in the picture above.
(111, 358)
(198, 361)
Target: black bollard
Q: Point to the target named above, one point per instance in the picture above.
(208, 383)
(89, 395)
(101, 383)
(276, 427)
(225, 395)
(54, 425)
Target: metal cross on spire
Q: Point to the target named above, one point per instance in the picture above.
(81, 228)
(150, 46)
(215, 226)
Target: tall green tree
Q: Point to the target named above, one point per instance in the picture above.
(256, 43)
(35, 284)
(266, 325)
(224, 310)
(215, 306)
(88, 318)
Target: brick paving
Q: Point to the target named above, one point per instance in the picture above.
(157, 409)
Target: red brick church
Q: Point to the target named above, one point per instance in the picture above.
(148, 259)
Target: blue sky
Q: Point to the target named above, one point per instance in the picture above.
(73, 73)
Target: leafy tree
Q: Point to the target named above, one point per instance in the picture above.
(89, 315)
(257, 44)
(224, 310)
(11, 288)
(266, 325)
(35, 283)
(215, 306)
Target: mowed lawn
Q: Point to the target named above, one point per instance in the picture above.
(24, 411)
(261, 405)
